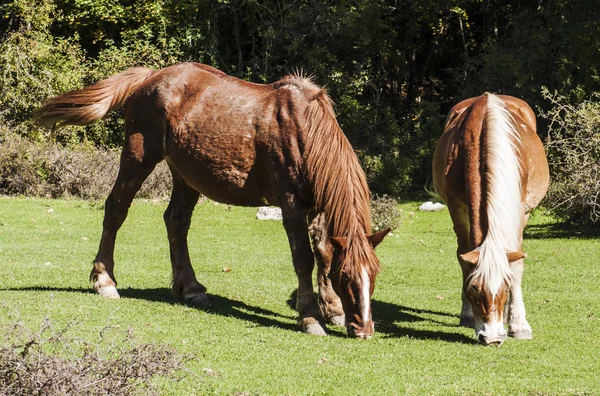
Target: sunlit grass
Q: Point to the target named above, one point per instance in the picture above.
(248, 343)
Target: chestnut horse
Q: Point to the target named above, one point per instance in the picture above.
(490, 168)
(242, 144)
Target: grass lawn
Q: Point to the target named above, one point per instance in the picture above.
(247, 343)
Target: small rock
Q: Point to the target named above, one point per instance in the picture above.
(269, 213)
(431, 207)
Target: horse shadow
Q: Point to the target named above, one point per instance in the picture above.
(388, 317)
(560, 231)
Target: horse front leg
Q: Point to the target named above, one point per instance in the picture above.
(177, 220)
(295, 224)
(518, 327)
(329, 302)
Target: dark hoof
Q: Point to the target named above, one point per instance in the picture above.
(197, 300)
(312, 326)
(338, 320)
(315, 329)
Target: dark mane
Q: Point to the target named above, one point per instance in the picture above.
(339, 183)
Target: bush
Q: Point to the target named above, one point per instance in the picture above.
(573, 148)
(48, 170)
(385, 213)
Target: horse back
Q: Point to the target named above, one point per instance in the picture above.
(459, 165)
(234, 141)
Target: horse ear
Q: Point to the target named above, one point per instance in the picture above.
(515, 256)
(341, 242)
(378, 237)
(472, 257)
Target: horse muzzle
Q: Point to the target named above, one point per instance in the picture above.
(363, 332)
(490, 335)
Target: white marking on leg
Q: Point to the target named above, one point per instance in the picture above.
(366, 297)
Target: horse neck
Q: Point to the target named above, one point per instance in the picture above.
(503, 206)
(502, 145)
(338, 182)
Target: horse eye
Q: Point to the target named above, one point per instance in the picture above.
(475, 288)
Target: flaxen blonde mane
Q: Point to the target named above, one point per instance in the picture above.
(339, 184)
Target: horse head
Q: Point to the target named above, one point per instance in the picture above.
(487, 292)
(353, 278)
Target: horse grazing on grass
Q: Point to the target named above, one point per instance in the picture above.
(242, 144)
(490, 168)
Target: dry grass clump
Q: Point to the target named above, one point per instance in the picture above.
(49, 363)
(43, 169)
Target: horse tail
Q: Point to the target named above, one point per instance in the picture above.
(504, 174)
(91, 103)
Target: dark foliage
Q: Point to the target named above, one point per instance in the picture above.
(394, 68)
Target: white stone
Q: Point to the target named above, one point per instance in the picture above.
(269, 213)
(431, 207)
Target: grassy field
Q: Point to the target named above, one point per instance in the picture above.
(247, 343)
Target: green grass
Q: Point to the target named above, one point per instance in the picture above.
(249, 336)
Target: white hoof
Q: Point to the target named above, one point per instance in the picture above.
(521, 334)
(107, 291)
(105, 286)
(338, 320)
(197, 299)
(315, 329)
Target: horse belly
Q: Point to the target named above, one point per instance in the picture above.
(222, 165)
(225, 184)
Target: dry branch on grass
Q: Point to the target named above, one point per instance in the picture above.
(47, 362)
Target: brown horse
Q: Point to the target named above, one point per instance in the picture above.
(242, 144)
(490, 168)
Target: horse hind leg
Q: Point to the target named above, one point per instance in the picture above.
(177, 220)
(134, 169)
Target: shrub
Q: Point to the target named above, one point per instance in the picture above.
(385, 213)
(573, 148)
(48, 170)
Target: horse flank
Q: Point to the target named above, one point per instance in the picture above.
(339, 184)
(503, 169)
